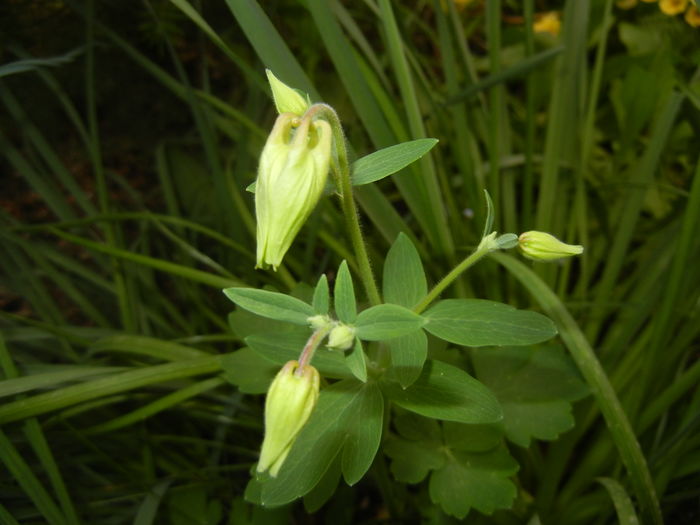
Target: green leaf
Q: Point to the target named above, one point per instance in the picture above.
(472, 438)
(412, 461)
(477, 322)
(344, 295)
(272, 305)
(445, 392)
(332, 429)
(362, 440)
(470, 464)
(244, 512)
(386, 321)
(623, 504)
(474, 480)
(321, 300)
(408, 354)
(404, 278)
(324, 490)
(488, 224)
(281, 349)
(534, 386)
(415, 427)
(244, 323)
(388, 161)
(250, 372)
(355, 359)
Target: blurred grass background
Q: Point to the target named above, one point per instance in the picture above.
(130, 132)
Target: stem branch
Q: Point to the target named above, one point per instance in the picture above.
(482, 249)
(352, 218)
(310, 347)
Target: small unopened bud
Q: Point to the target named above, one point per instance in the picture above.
(290, 400)
(319, 322)
(291, 177)
(287, 100)
(542, 246)
(342, 337)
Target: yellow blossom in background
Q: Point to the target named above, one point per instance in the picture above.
(649, 1)
(692, 16)
(626, 4)
(548, 23)
(673, 7)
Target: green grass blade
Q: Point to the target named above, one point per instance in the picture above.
(457, 116)
(665, 316)
(619, 426)
(56, 167)
(65, 373)
(429, 206)
(270, 46)
(148, 509)
(625, 226)
(37, 439)
(26, 479)
(39, 181)
(193, 15)
(157, 406)
(623, 505)
(6, 517)
(40, 254)
(520, 69)
(115, 383)
(31, 64)
(125, 300)
(146, 346)
(151, 262)
(564, 112)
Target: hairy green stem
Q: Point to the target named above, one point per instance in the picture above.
(352, 217)
(433, 294)
(619, 426)
(310, 347)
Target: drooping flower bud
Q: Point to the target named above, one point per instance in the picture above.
(342, 337)
(290, 400)
(287, 100)
(291, 177)
(542, 246)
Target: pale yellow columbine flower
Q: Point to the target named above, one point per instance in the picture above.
(290, 400)
(542, 246)
(626, 4)
(692, 16)
(548, 23)
(291, 177)
(673, 7)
